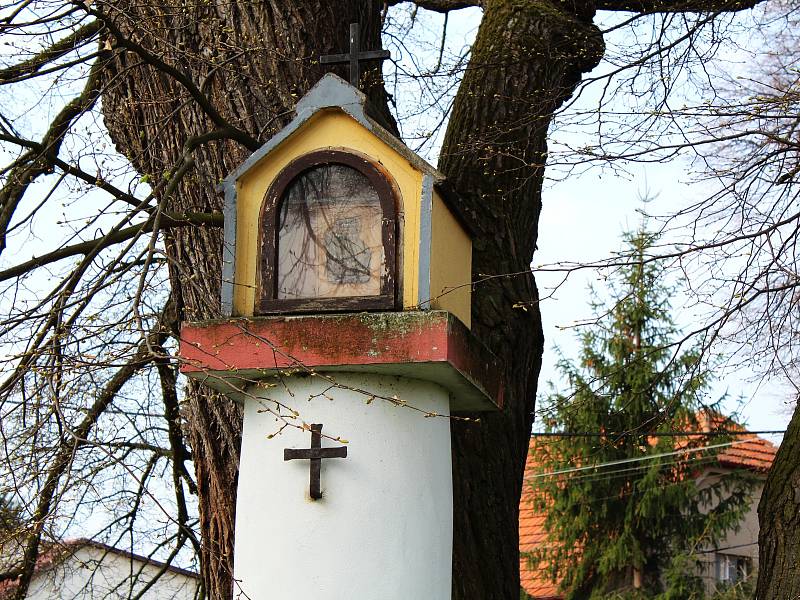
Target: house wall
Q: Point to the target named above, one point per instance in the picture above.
(742, 542)
(92, 573)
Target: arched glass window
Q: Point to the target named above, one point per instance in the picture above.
(328, 236)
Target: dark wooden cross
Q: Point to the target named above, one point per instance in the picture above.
(315, 454)
(354, 56)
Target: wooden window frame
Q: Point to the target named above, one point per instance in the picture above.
(267, 287)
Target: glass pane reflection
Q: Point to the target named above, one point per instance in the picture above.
(330, 241)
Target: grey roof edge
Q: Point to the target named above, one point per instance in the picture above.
(425, 224)
(332, 92)
(67, 548)
(228, 252)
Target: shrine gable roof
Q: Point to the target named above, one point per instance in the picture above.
(332, 92)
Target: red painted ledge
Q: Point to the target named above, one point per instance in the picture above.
(432, 345)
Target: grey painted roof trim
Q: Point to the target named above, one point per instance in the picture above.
(332, 92)
(425, 225)
(228, 251)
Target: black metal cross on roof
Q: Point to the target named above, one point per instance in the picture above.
(354, 56)
(315, 454)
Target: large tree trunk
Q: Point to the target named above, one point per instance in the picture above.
(527, 59)
(779, 521)
(254, 60)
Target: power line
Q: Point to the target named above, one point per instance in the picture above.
(627, 471)
(638, 459)
(712, 550)
(617, 473)
(568, 434)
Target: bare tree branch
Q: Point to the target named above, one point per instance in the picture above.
(677, 6)
(167, 221)
(441, 6)
(61, 48)
(36, 164)
(70, 442)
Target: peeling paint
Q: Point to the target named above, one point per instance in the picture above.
(430, 345)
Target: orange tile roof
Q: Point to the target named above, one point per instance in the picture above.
(532, 535)
(755, 453)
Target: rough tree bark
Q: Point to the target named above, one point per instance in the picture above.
(527, 59)
(779, 522)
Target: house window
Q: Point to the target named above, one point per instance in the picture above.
(732, 569)
(328, 236)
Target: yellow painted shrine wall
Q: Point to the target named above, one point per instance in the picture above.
(317, 134)
(451, 247)
(451, 263)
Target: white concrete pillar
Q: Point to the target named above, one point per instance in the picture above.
(384, 526)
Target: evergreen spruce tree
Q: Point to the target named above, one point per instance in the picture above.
(632, 528)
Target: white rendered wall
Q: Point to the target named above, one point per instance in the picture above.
(96, 574)
(384, 526)
(741, 542)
